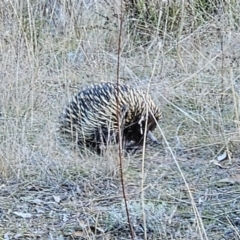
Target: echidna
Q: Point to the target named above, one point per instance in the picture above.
(91, 118)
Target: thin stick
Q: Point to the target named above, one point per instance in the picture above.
(119, 127)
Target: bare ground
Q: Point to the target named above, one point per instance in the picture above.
(91, 207)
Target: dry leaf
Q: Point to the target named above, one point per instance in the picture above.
(40, 210)
(216, 162)
(23, 215)
(18, 235)
(232, 179)
(57, 199)
(37, 201)
(222, 156)
(78, 234)
(6, 236)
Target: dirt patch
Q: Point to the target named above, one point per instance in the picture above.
(77, 207)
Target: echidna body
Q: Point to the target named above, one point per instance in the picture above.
(91, 118)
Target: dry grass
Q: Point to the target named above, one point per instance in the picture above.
(176, 192)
